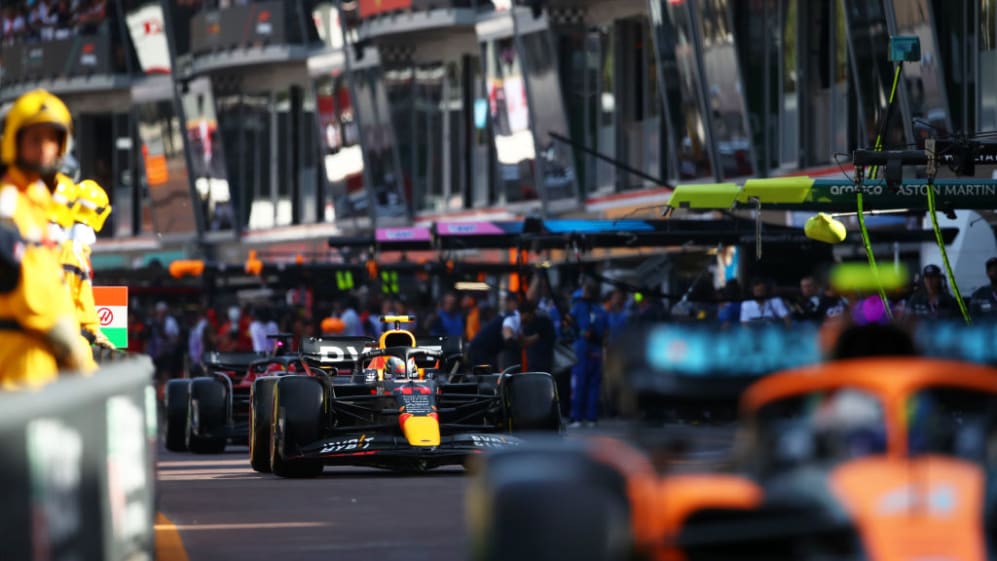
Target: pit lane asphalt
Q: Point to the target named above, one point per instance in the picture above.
(223, 510)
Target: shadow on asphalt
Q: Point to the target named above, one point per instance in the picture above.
(366, 473)
(336, 473)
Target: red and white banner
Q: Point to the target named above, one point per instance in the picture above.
(372, 7)
(146, 28)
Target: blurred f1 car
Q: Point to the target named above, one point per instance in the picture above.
(405, 405)
(209, 411)
(879, 458)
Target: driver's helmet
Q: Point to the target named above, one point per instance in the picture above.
(852, 423)
(394, 366)
(398, 367)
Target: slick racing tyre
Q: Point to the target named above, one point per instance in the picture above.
(531, 402)
(208, 416)
(548, 504)
(297, 410)
(177, 402)
(260, 419)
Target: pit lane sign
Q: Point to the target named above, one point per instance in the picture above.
(112, 311)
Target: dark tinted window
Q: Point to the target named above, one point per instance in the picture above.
(676, 52)
(165, 177)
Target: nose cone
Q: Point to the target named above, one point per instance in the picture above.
(421, 431)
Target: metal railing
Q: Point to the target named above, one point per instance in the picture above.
(77, 460)
(73, 57)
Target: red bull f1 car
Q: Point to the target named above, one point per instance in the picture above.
(404, 404)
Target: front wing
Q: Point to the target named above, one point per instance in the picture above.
(387, 450)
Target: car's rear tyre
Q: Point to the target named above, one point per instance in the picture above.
(531, 402)
(208, 416)
(548, 505)
(260, 419)
(177, 402)
(298, 404)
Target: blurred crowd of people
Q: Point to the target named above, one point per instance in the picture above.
(561, 331)
(45, 20)
(928, 297)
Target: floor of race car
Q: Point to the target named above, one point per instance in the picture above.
(216, 508)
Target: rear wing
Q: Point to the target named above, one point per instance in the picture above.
(238, 362)
(705, 362)
(335, 352)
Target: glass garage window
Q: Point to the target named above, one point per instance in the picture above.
(207, 157)
(869, 38)
(390, 194)
(415, 92)
(925, 85)
(510, 118)
(557, 174)
(246, 129)
(680, 72)
(342, 156)
(170, 209)
(724, 94)
(988, 66)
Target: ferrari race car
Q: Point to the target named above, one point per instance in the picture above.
(207, 412)
(878, 458)
(403, 405)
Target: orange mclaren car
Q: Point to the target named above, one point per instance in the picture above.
(877, 458)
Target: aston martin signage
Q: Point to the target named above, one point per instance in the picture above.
(838, 195)
(834, 195)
